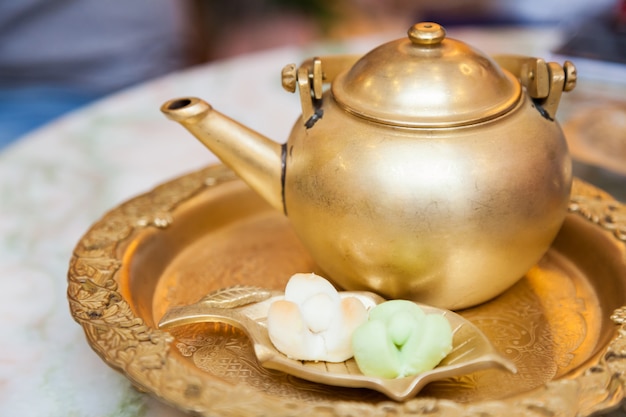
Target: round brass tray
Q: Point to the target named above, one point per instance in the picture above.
(562, 324)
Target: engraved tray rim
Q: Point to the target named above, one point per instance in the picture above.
(142, 353)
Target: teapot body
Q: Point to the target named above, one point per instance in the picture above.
(446, 216)
(427, 171)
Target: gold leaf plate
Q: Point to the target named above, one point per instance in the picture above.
(247, 308)
(562, 325)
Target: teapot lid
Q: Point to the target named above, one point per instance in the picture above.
(426, 80)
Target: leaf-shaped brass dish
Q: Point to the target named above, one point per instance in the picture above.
(246, 308)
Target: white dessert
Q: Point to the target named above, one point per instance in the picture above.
(313, 322)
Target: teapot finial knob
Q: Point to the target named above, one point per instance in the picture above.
(426, 33)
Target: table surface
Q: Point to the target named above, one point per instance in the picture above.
(57, 181)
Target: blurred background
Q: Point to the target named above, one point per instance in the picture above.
(57, 55)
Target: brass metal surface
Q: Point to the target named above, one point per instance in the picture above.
(544, 82)
(562, 324)
(429, 82)
(257, 159)
(426, 171)
(247, 307)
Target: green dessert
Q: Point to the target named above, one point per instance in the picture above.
(400, 340)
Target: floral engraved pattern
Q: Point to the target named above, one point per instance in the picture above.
(229, 356)
(599, 208)
(121, 338)
(155, 361)
(619, 315)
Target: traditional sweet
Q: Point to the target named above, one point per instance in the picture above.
(313, 322)
(400, 340)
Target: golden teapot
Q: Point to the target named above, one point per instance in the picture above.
(426, 170)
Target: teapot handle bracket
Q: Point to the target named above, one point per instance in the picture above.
(557, 85)
(304, 86)
(310, 78)
(544, 82)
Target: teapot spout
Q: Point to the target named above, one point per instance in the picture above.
(256, 159)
